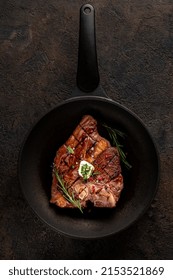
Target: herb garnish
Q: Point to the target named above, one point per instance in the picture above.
(66, 194)
(70, 150)
(113, 134)
(85, 171)
(95, 173)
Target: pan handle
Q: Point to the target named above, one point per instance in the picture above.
(87, 70)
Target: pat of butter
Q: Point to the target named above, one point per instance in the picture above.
(85, 169)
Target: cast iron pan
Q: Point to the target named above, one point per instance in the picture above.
(39, 148)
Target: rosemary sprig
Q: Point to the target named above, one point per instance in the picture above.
(66, 194)
(113, 134)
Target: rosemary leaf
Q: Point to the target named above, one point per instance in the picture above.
(67, 196)
(70, 150)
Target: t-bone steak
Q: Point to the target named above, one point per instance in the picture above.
(103, 187)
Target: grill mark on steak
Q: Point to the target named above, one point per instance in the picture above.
(104, 188)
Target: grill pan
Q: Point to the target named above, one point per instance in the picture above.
(53, 129)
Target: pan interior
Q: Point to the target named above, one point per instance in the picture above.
(35, 167)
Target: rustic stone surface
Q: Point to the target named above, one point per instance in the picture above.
(38, 59)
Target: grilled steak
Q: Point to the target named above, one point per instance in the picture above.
(105, 184)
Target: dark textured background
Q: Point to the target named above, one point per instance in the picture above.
(38, 60)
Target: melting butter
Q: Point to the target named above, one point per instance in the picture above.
(85, 169)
